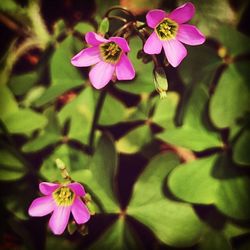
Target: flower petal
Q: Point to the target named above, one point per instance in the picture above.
(174, 51)
(47, 188)
(189, 34)
(86, 57)
(122, 43)
(59, 219)
(94, 39)
(154, 17)
(101, 74)
(77, 188)
(124, 69)
(153, 45)
(183, 13)
(41, 206)
(80, 212)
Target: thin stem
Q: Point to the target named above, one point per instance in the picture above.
(142, 37)
(118, 18)
(121, 30)
(97, 114)
(124, 10)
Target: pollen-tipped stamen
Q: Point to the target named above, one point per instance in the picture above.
(167, 29)
(110, 52)
(64, 196)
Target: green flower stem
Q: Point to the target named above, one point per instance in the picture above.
(38, 26)
(97, 114)
(15, 53)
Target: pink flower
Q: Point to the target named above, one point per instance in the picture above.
(61, 200)
(170, 31)
(108, 56)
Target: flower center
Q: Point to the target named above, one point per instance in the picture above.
(63, 196)
(110, 52)
(167, 29)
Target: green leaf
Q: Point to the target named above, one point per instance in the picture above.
(20, 84)
(206, 181)
(200, 65)
(190, 138)
(241, 149)
(113, 111)
(234, 190)
(32, 95)
(174, 223)
(11, 168)
(231, 99)
(79, 112)
(215, 240)
(104, 26)
(50, 135)
(99, 176)
(84, 27)
(118, 235)
(24, 121)
(8, 104)
(193, 134)
(193, 181)
(134, 140)
(235, 42)
(54, 91)
(144, 81)
(165, 109)
(62, 71)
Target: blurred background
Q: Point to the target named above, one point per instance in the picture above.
(165, 173)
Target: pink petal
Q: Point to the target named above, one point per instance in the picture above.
(59, 219)
(77, 188)
(174, 51)
(189, 34)
(94, 39)
(47, 188)
(80, 212)
(153, 45)
(86, 57)
(122, 43)
(41, 206)
(154, 17)
(124, 69)
(183, 13)
(101, 74)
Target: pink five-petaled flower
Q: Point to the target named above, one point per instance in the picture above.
(61, 200)
(108, 57)
(170, 32)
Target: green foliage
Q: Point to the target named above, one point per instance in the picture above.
(150, 206)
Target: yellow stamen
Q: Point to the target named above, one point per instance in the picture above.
(63, 196)
(167, 29)
(110, 52)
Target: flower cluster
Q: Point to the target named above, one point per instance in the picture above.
(61, 200)
(109, 60)
(109, 56)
